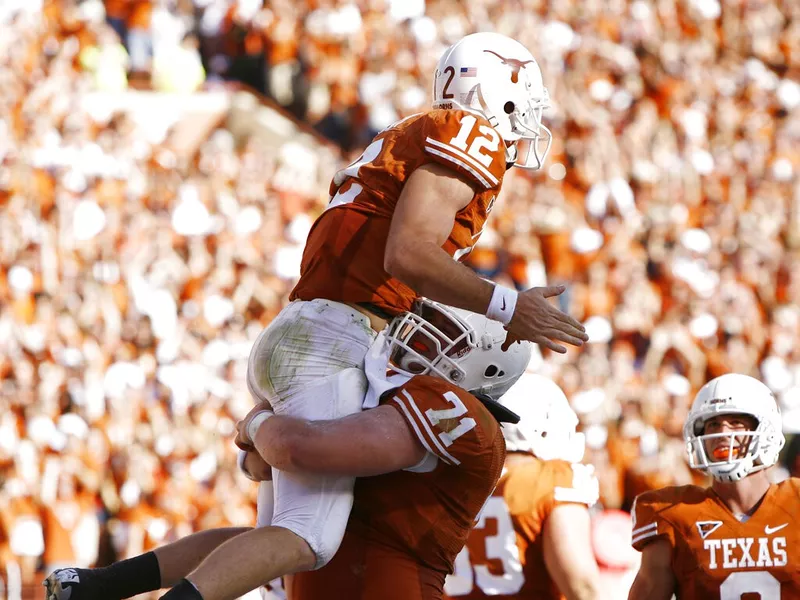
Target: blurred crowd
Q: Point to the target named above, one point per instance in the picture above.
(132, 282)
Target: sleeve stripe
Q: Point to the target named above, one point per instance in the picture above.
(412, 421)
(442, 453)
(461, 164)
(645, 528)
(464, 156)
(644, 536)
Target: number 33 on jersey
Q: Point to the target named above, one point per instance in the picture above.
(504, 557)
(349, 239)
(717, 557)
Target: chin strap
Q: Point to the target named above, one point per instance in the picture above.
(511, 155)
(485, 108)
(498, 411)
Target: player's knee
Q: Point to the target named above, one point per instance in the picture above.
(305, 557)
(324, 552)
(314, 550)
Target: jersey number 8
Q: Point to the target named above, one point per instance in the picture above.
(741, 584)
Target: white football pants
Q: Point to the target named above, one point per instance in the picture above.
(309, 364)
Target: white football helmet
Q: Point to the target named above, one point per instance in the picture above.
(497, 77)
(456, 345)
(547, 424)
(735, 394)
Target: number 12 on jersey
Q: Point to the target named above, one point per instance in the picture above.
(489, 140)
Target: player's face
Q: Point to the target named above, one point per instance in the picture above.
(718, 449)
(424, 341)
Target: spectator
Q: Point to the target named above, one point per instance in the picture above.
(178, 68)
(108, 61)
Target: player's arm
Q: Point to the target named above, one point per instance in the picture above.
(568, 552)
(654, 536)
(372, 442)
(422, 222)
(655, 580)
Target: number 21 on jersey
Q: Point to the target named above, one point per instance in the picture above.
(500, 547)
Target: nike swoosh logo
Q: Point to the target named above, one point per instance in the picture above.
(504, 305)
(770, 530)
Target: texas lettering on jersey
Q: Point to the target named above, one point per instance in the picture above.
(504, 556)
(715, 555)
(746, 553)
(343, 257)
(406, 528)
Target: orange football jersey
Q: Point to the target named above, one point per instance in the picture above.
(343, 257)
(406, 528)
(504, 557)
(717, 557)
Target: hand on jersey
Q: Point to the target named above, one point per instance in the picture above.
(537, 320)
(253, 464)
(243, 441)
(255, 467)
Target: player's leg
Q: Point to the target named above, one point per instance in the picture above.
(249, 561)
(147, 572)
(266, 506)
(306, 343)
(309, 515)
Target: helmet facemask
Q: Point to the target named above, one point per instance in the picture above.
(428, 341)
(748, 451)
(535, 138)
(463, 348)
(520, 124)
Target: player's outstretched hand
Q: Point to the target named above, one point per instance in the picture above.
(537, 320)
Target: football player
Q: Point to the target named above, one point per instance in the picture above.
(533, 537)
(443, 446)
(406, 525)
(740, 538)
(417, 198)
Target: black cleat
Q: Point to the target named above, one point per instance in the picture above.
(69, 584)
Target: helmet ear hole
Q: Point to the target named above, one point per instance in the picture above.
(508, 107)
(493, 371)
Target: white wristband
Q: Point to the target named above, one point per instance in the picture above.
(255, 423)
(502, 305)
